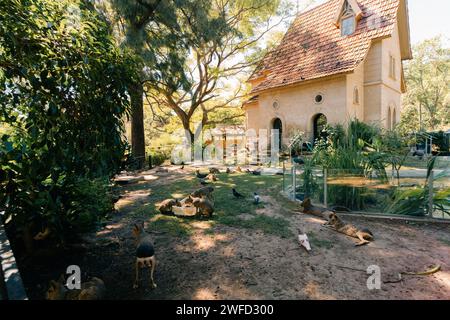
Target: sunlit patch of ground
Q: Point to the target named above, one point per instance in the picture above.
(252, 252)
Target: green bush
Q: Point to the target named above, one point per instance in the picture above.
(63, 98)
(158, 158)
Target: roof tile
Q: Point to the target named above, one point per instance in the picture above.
(314, 48)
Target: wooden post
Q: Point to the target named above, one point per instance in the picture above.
(430, 194)
(325, 188)
(294, 183)
(224, 147)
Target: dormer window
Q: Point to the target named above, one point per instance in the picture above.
(347, 20)
(348, 26)
(347, 17)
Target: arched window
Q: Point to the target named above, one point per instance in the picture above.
(356, 96)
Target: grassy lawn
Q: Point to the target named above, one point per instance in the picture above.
(229, 211)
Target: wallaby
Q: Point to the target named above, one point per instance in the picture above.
(214, 171)
(91, 290)
(145, 254)
(364, 235)
(212, 177)
(309, 208)
(187, 201)
(203, 192)
(167, 205)
(204, 207)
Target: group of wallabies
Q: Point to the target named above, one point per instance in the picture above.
(365, 236)
(203, 201)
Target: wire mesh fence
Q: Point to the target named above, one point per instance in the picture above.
(409, 192)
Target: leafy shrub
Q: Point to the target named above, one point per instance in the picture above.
(158, 158)
(63, 97)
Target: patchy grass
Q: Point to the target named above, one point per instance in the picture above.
(227, 208)
(269, 225)
(171, 225)
(319, 243)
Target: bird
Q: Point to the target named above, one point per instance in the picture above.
(182, 167)
(228, 171)
(256, 198)
(299, 160)
(237, 195)
(203, 182)
(200, 175)
(255, 172)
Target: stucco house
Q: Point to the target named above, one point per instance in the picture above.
(338, 61)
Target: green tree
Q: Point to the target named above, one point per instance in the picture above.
(221, 53)
(427, 101)
(63, 95)
(151, 32)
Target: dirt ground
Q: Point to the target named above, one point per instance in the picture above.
(217, 261)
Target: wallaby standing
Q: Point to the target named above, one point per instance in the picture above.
(204, 207)
(145, 253)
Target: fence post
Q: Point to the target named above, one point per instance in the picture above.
(325, 188)
(430, 194)
(294, 182)
(284, 176)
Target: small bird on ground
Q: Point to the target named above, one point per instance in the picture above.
(256, 198)
(182, 167)
(299, 160)
(237, 195)
(200, 175)
(255, 172)
(228, 171)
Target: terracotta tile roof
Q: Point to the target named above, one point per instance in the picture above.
(314, 48)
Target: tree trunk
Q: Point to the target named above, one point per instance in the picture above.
(137, 124)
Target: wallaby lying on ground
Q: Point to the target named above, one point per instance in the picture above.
(309, 208)
(204, 207)
(145, 254)
(214, 171)
(364, 235)
(166, 206)
(203, 192)
(91, 290)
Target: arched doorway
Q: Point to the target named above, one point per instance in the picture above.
(278, 125)
(319, 123)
